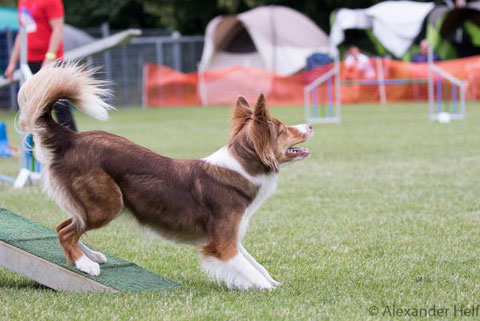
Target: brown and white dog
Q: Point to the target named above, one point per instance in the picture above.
(93, 176)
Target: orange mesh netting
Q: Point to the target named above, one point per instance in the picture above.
(167, 87)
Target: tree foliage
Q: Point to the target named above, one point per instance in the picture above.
(187, 16)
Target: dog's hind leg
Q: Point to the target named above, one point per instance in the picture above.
(62, 237)
(92, 255)
(69, 233)
(101, 199)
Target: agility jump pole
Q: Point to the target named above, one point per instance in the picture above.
(332, 112)
(435, 93)
(381, 86)
(436, 102)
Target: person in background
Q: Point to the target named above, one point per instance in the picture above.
(358, 64)
(43, 21)
(423, 55)
(357, 67)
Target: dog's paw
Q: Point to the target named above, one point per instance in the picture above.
(264, 286)
(92, 255)
(260, 284)
(86, 265)
(275, 284)
(97, 257)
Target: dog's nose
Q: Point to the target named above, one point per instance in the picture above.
(309, 129)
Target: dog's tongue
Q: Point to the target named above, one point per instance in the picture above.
(297, 152)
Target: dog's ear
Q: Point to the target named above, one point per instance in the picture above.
(242, 108)
(261, 111)
(261, 135)
(241, 114)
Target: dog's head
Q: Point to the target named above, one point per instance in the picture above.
(256, 133)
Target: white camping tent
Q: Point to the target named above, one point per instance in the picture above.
(274, 38)
(395, 24)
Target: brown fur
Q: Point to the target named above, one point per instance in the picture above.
(99, 174)
(187, 200)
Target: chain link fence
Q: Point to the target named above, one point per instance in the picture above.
(123, 65)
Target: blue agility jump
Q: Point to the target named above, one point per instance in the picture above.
(442, 99)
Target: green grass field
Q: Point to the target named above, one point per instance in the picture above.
(385, 212)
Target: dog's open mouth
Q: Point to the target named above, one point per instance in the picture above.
(294, 152)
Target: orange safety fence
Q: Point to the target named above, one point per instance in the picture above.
(167, 87)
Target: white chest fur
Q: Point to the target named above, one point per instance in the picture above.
(267, 183)
(267, 188)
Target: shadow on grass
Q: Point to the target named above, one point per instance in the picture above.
(24, 285)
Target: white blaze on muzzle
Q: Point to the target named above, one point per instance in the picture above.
(304, 129)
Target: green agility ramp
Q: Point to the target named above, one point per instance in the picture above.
(33, 251)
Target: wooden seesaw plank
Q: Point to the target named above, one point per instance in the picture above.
(46, 272)
(33, 251)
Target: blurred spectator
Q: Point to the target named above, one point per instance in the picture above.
(358, 64)
(423, 55)
(358, 67)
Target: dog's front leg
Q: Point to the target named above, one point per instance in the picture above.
(258, 266)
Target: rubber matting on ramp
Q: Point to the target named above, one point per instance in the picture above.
(33, 250)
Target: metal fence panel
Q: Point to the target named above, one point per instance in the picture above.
(124, 66)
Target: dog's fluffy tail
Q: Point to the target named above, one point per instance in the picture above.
(69, 81)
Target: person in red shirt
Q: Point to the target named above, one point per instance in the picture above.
(43, 21)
